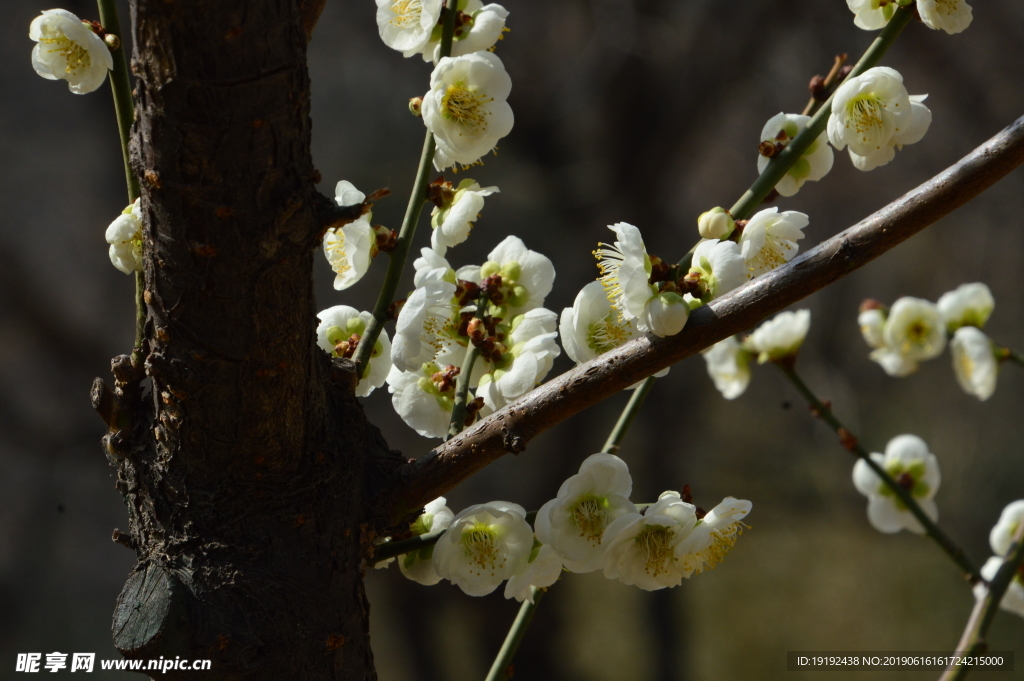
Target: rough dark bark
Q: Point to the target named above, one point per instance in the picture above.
(248, 464)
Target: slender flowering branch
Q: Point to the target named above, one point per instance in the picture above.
(636, 400)
(780, 164)
(398, 257)
(500, 668)
(124, 109)
(852, 444)
(973, 638)
(462, 390)
(1010, 355)
(511, 428)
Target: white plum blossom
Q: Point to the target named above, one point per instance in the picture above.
(908, 461)
(125, 238)
(543, 570)
(669, 542)
(574, 522)
(484, 29)
(419, 565)
(452, 223)
(422, 330)
(719, 268)
(814, 164)
(871, 321)
(465, 108)
(967, 305)
(532, 350)
(715, 224)
(728, 366)
(406, 25)
(338, 334)
(1013, 599)
(951, 16)
(872, 14)
(592, 327)
(526, 276)
(625, 271)
(431, 266)
(424, 398)
(666, 313)
(873, 115)
(1001, 536)
(915, 330)
(485, 545)
(67, 49)
(780, 338)
(349, 248)
(974, 362)
(770, 239)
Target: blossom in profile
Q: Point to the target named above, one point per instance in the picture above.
(339, 333)
(1001, 536)
(542, 571)
(485, 545)
(424, 327)
(453, 220)
(873, 115)
(872, 15)
(974, 362)
(125, 238)
(349, 248)
(592, 327)
(779, 339)
(1013, 599)
(466, 107)
(669, 542)
(770, 239)
(419, 565)
(951, 16)
(1001, 540)
(407, 25)
(67, 49)
(814, 164)
(728, 364)
(717, 267)
(574, 522)
(967, 305)
(908, 461)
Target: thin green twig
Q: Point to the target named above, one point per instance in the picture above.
(1009, 355)
(458, 421)
(614, 441)
(396, 264)
(849, 442)
(500, 668)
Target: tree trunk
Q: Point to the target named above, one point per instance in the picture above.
(248, 467)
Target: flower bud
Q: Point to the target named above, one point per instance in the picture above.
(415, 106)
(716, 224)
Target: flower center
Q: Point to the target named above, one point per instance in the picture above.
(465, 106)
(947, 7)
(481, 546)
(336, 252)
(608, 333)
(655, 545)
(721, 541)
(865, 115)
(773, 253)
(609, 260)
(591, 518)
(76, 57)
(406, 13)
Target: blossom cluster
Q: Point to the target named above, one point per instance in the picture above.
(914, 330)
(590, 525)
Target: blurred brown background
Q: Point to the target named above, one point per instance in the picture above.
(642, 111)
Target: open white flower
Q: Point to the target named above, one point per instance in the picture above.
(872, 320)
(592, 327)
(406, 25)
(125, 238)
(465, 108)
(719, 266)
(68, 50)
(909, 462)
(452, 223)
(951, 16)
(873, 115)
(1001, 536)
(531, 352)
(728, 366)
(485, 545)
(780, 338)
(574, 522)
(526, 276)
(338, 334)
(424, 398)
(872, 14)
(625, 271)
(424, 326)
(974, 362)
(813, 165)
(769, 239)
(543, 570)
(1013, 599)
(669, 542)
(484, 29)
(967, 305)
(915, 330)
(349, 248)
(419, 565)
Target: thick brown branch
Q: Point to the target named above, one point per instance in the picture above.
(509, 429)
